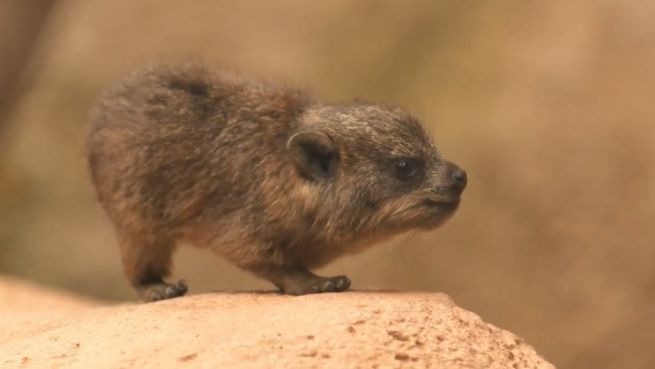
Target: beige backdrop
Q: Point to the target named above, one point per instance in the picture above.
(549, 106)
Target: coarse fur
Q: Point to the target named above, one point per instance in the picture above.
(270, 179)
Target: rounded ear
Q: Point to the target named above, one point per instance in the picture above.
(314, 153)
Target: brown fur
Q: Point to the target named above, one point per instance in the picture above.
(266, 177)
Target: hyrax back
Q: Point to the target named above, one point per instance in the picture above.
(266, 177)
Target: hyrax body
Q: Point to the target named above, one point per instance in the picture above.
(266, 177)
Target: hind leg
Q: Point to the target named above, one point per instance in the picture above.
(147, 261)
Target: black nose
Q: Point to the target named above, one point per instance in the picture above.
(459, 179)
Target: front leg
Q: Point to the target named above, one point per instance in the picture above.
(300, 281)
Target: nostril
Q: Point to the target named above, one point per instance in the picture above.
(459, 177)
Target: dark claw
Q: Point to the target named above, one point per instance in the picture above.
(155, 296)
(342, 283)
(328, 286)
(171, 291)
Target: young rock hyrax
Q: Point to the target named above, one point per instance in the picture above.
(268, 178)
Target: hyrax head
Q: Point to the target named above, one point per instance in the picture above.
(373, 168)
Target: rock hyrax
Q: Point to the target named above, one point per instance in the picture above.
(270, 179)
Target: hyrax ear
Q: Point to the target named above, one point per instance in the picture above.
(314, 153)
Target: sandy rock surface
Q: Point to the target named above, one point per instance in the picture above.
(43, 329)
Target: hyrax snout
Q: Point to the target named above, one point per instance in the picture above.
(268, 178)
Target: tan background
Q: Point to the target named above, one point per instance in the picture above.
(548, 105)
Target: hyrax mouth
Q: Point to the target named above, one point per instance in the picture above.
(446, 204)
(438, 211)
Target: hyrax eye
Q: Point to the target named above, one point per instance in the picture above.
(405, 168)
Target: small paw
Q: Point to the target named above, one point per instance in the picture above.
(341, 283)
(319, 285)
(163, 291)
(328, 286)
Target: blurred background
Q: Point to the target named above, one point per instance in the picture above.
(548, 105)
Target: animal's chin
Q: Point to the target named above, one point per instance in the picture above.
(438, 212)
(448, 204)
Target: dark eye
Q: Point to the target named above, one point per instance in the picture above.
(405, 168)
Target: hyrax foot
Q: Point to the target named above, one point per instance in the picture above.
(316, 284)
(300, 281)
(161, 290)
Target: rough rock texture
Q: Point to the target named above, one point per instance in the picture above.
(253, 330)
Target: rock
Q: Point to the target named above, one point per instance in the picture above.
(258, 330)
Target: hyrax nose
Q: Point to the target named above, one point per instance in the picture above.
(459, 179)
